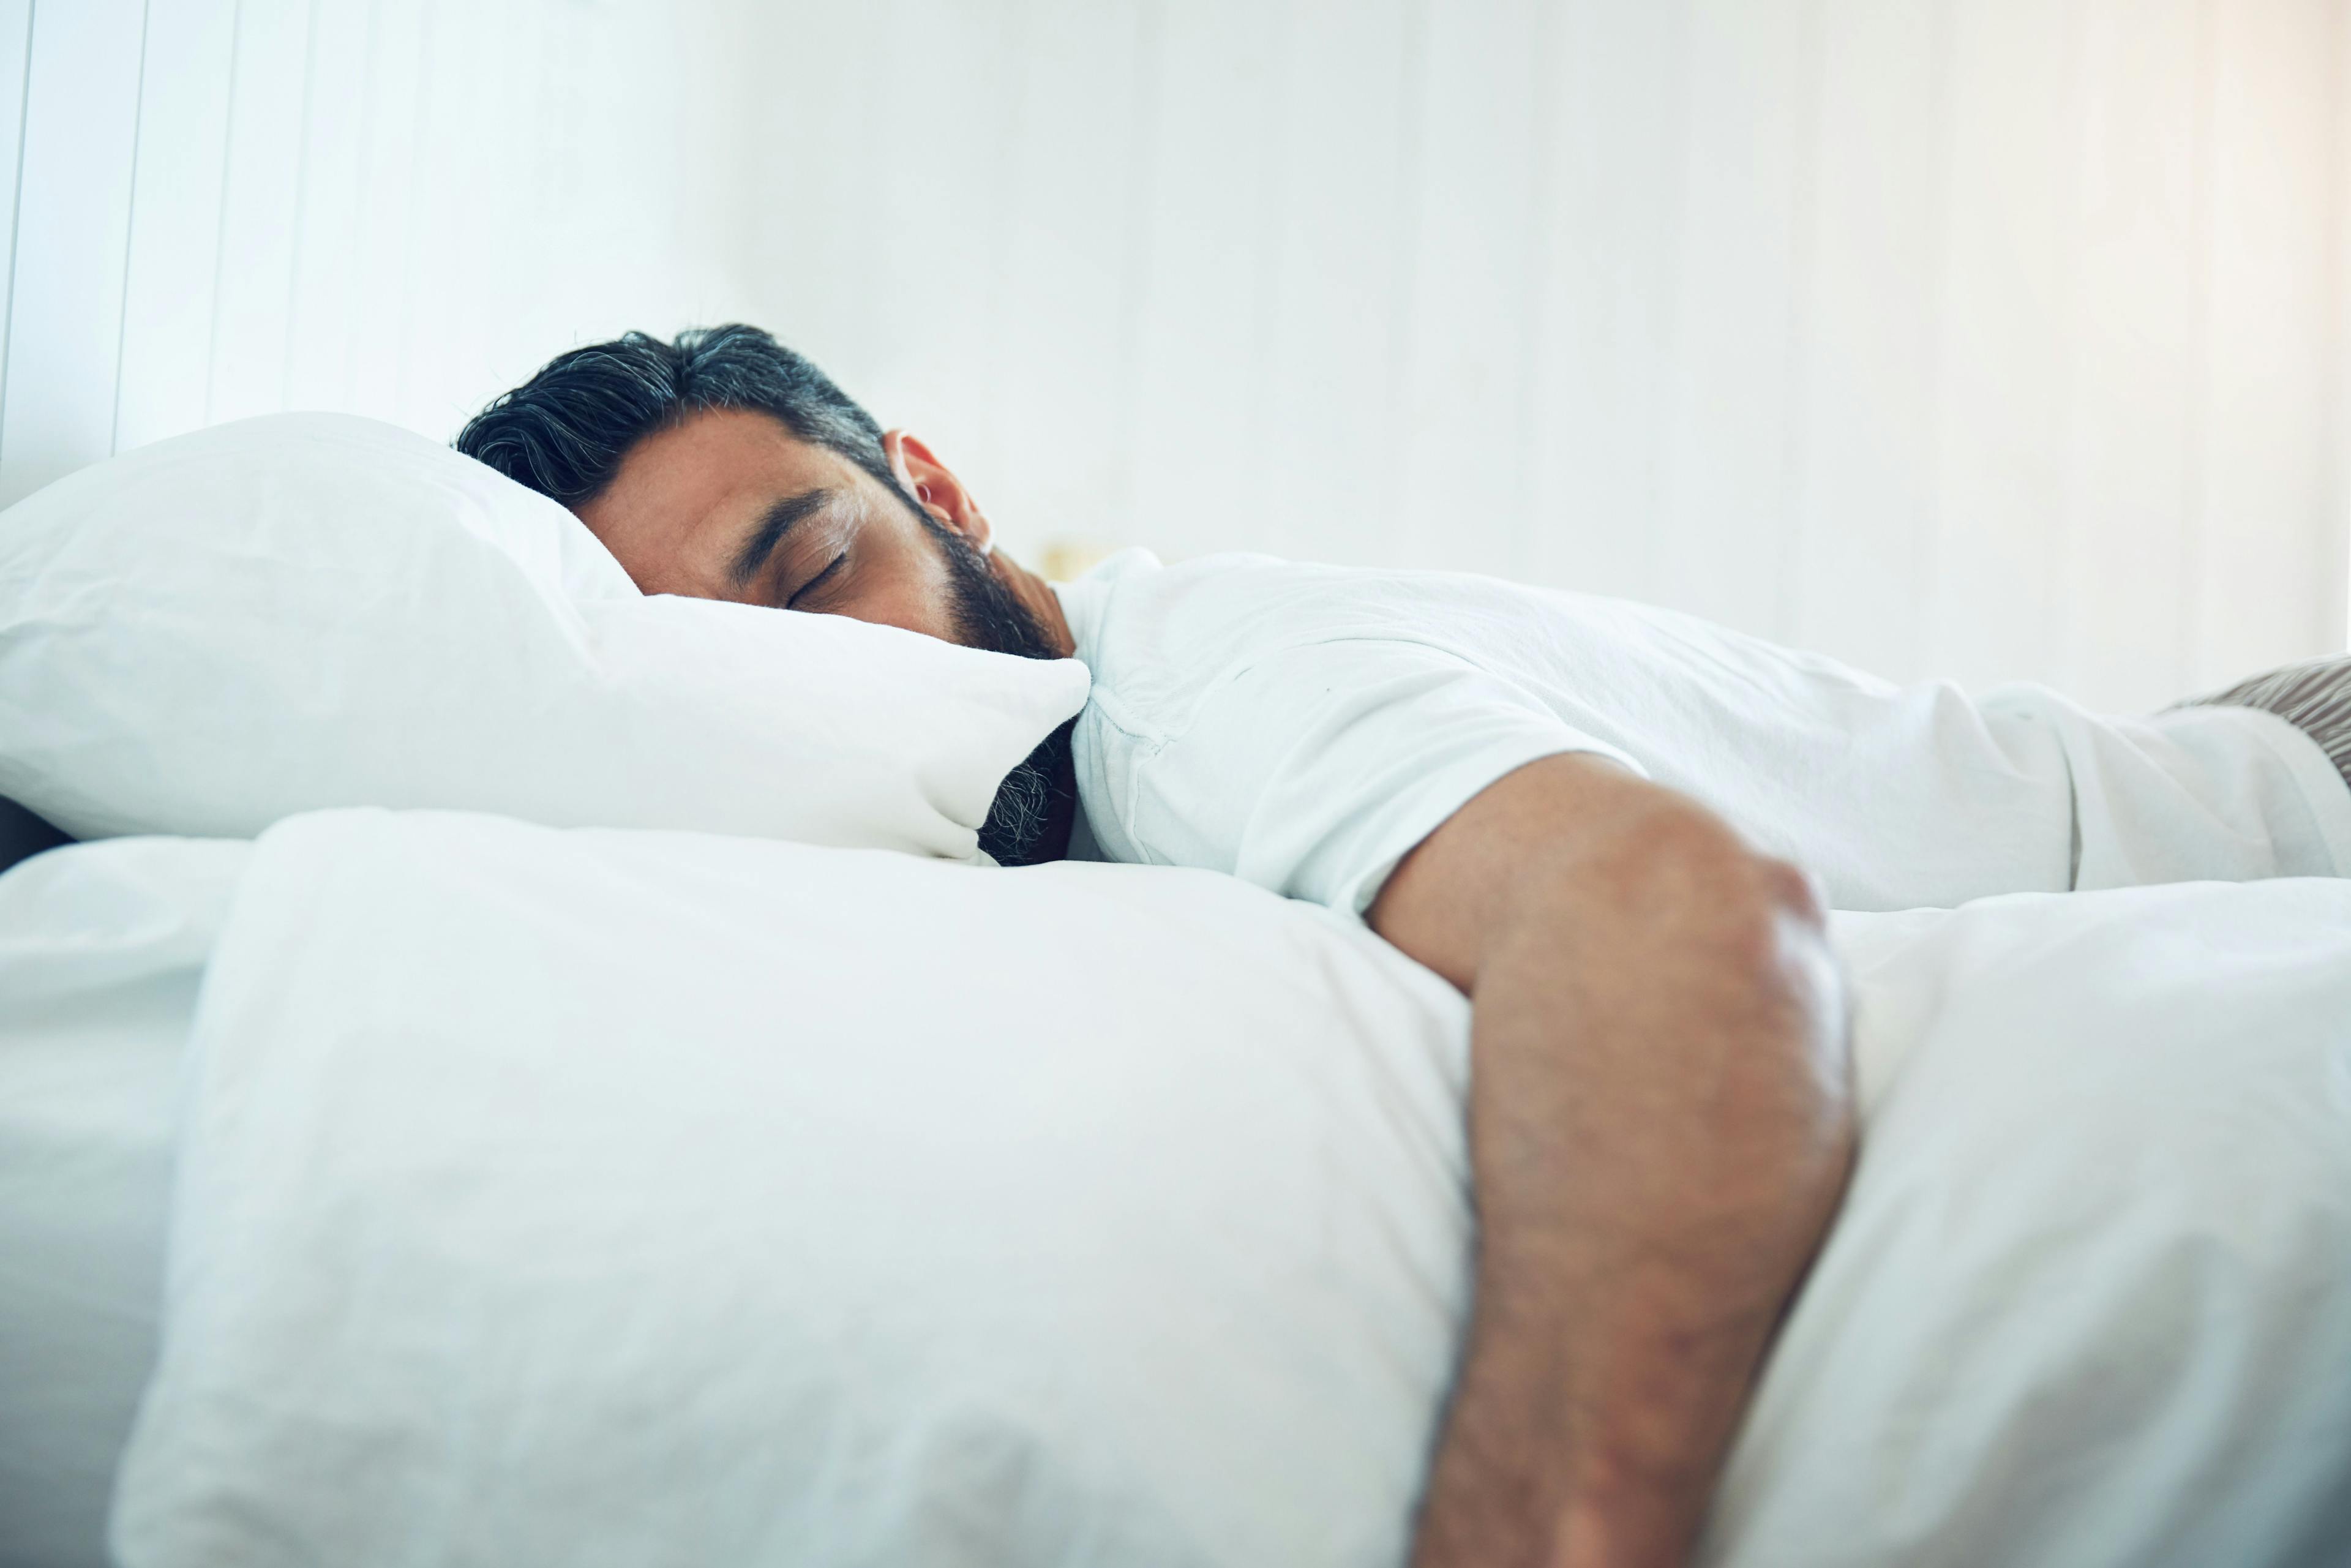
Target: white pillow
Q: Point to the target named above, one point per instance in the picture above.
(755, 1204)
(743, 1203)
(308, 610)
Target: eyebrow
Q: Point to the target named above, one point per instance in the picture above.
(773, 524)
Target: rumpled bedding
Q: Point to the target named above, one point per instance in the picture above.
(623, 1197)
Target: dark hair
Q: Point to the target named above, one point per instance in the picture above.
(564, 431)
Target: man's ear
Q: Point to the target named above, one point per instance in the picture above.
(937, 489)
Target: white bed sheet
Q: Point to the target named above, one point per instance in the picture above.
(2088, 1303)
(101, 949)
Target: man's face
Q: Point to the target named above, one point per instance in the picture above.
(730, 505)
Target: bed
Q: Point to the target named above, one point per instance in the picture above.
(620, 1157)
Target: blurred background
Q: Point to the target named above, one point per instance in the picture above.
(1995, 339)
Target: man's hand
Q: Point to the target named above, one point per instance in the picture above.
(1661, 1127)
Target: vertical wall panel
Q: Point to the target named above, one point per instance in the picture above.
(2005, 352)
(1319, 476)
(1062, 343)
(711, 86)
(485, 291)
(15, 50)
(260, 208)
(507, 349)
(446, 278)
(73, 226)
(327, 304)
(420, 346)
(176, 211)
(1606, 326)
(534, 324)
(812, 221)
(2123, 570)
(942, 149)
(1203, 277)
(2260, 600)
(529, 336)
(484, 314)
(2338, 529)
(1873, 297)
(1727, 527)
(1463, 480)
(389, 219)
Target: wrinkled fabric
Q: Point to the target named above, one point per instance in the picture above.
(1304, 727)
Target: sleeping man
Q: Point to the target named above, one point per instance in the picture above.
(1613, 829)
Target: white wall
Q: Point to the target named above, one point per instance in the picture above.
(1986, 336)
(1993, 338)
(394, 207)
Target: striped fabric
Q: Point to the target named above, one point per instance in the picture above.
(2316, 698)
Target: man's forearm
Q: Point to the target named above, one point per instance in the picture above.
(1660, 1131)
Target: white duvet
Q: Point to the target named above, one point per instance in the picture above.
(611, 1197)
(102, 947)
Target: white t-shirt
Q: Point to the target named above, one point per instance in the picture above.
(1304, 727)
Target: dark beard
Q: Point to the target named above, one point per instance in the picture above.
(1029, 820)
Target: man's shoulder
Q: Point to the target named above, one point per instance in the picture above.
(1155, 635)
(1163, 641)
(1219, 607)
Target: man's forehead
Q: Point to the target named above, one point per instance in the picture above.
(674, 511)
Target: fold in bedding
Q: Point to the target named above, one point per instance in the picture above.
(102, 947)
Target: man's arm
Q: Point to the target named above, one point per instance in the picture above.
(1661, 1127)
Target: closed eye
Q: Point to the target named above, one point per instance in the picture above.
(778, 520)
(805, 589)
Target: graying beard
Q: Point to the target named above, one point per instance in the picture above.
(1022, 811)
(1016, 820)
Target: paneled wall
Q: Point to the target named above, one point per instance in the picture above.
(1992, 337)
(392, 207)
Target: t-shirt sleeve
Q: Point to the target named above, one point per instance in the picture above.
(1314, 771)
